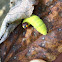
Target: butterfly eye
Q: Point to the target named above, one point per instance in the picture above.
(23, 26)
(26, 25)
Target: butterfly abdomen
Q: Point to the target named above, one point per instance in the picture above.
(37, 23)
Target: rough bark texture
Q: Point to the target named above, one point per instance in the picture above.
(25, 45)
(21, 10)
